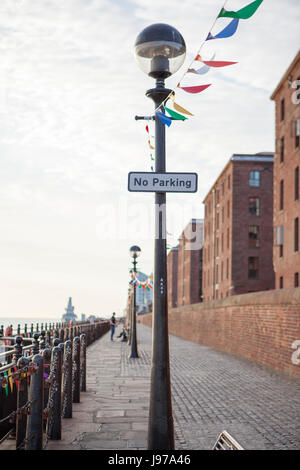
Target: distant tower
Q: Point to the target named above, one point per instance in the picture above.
(69, 315)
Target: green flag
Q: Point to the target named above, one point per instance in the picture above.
(243, 13)
(175, 115)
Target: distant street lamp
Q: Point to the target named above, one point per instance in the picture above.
(135, 252)
(160, 52)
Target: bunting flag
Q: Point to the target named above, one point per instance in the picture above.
(179, 108)
(193, 89)
(147, 285)
(227, 32)
(152, 148)
(202, 70)
(214, 63)
(10, 380)
(6, 386)
(243, 13)
(174, 115)
(165, 119)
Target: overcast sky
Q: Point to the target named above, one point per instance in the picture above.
(69, 91)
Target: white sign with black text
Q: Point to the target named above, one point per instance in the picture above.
(162, 182)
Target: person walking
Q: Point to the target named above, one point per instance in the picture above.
(112, 326)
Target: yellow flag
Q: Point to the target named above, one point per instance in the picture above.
(150, 145)
(11, 382)
(179, 108)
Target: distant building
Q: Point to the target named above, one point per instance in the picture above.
(286, 251)
(238, 228)
(172, 270)
(189, 271)
(143, 297)
(69, 315)
(82, 317)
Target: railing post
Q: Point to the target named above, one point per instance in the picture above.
(34, 431)
(61, 335)
(83, 363)
(22, 398)
(35, 344)
(42, 341)
(54, 425)
(47, 368)
(67, 396)
(76, 370)
(17, 349)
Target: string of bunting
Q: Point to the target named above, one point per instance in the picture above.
(229, 30)
(147, 285)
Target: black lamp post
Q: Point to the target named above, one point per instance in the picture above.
(160, 52)
(135, 252)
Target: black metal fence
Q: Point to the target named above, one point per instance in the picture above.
(41, 374)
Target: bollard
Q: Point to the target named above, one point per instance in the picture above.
(67, 395)
(83, 363)
(76, 370)
(22, 398)
(54, 420)
(47, 367)
(34, 431)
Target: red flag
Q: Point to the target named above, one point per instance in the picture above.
(193, 89)
(147, 129)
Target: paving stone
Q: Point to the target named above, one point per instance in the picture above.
(211, 392)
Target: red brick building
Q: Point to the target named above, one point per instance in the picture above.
(238, 228)
(286, 252)
(172, 270)
(189, 280)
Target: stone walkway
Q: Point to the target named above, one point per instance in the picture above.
(211, 392)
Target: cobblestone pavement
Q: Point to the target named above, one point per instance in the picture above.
(211, 392)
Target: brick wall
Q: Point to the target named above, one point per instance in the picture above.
(259, 326)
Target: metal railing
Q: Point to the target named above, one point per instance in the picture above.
(40, 381)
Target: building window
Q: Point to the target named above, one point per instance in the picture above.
(254, 206)
(222, 215)
(296, 280)
(296, 234)
(296, 183)
(222, 242)
(281, 282)
(223, 188)
(228, 181)
(227, 268)
(297, 136)
(253, 267)
(228, 209)
(217, 221)
(282, 110)
(281, 149)
(281, 195)
(281, 251)
(253, 240)
(228, 238)
(254, 178)
(221, 271)
(217, 274)
(217, 246)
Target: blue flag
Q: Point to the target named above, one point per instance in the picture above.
(228, 31)
(165, 119)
